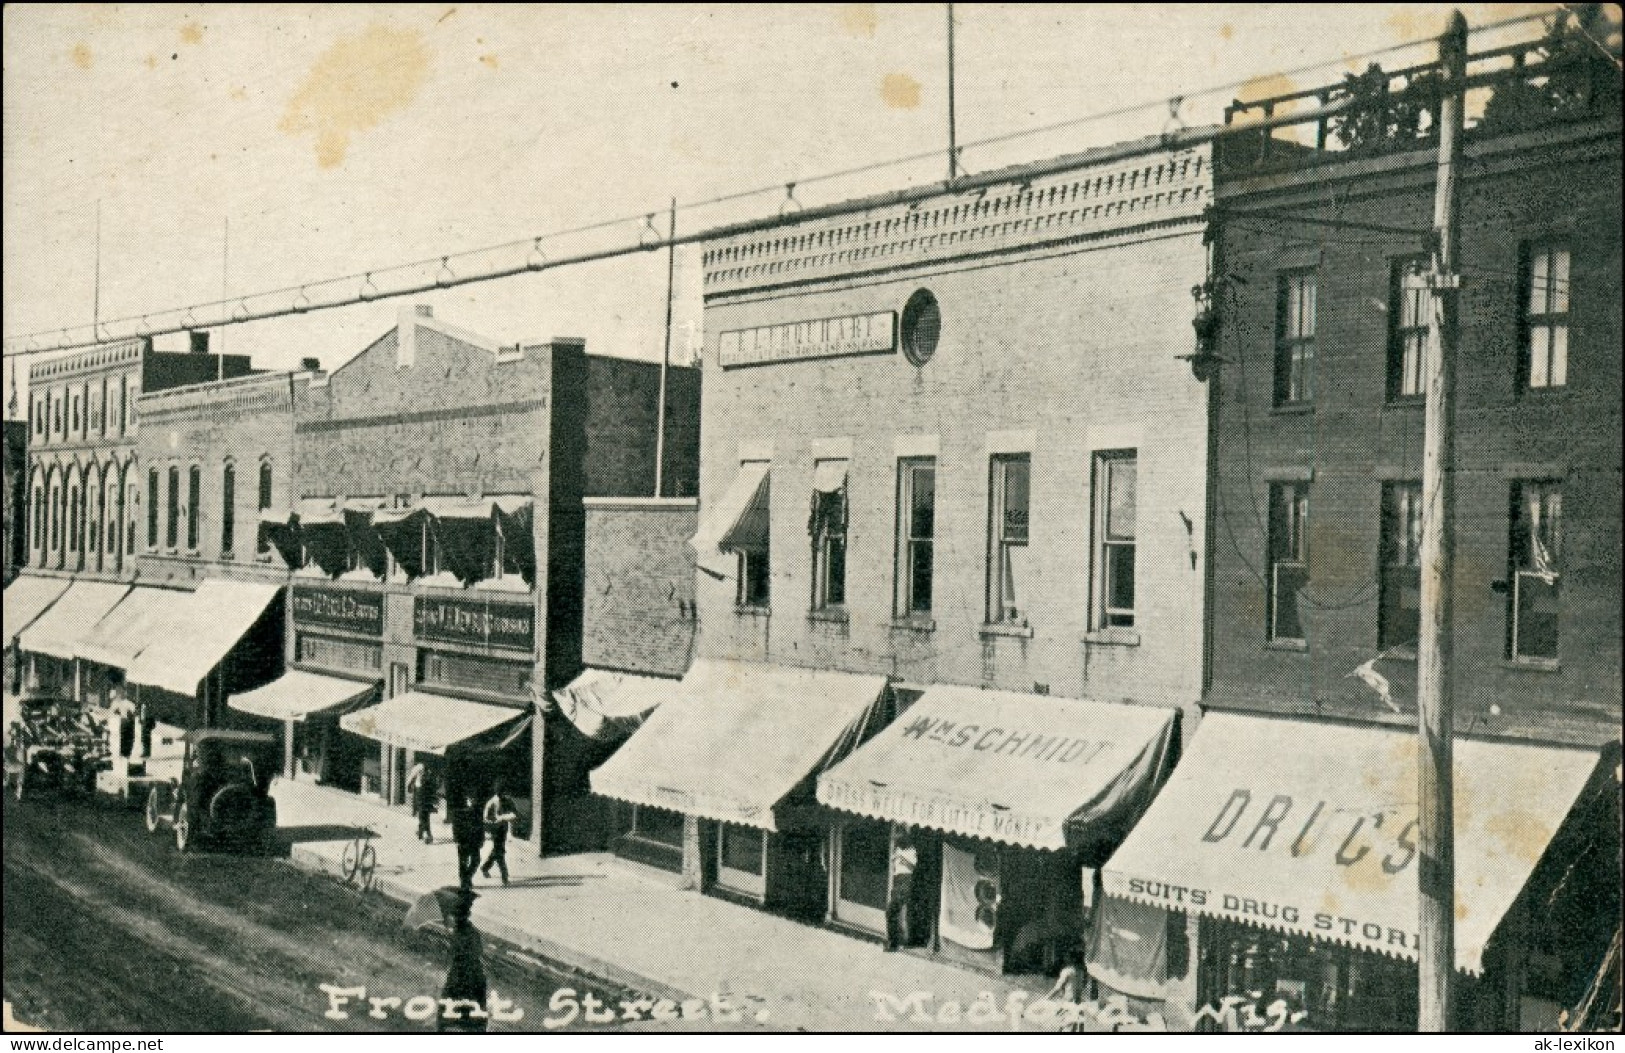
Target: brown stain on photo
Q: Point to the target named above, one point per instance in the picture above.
(191, 33)
(1227, 31)
(490, 61)
(860, 20)
(354, 86)
(1520, 834)
(82, 56)
(899, 91)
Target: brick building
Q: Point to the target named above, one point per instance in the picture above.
(1321, 232)
(16, 498)
(951, 464)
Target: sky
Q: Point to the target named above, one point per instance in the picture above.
(235, 149)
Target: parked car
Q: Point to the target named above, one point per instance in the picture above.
(54, 746)
(223, 797)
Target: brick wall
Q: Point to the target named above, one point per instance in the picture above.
(1560, 185)
(620, 421)
(639, 588)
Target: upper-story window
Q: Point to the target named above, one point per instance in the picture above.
(172, 518)
(916, 534)
(828, 529)
(1400, 604)
(194, 494)
(1115, 484)
(152, 507)
(1007, 539)
(1546, 317)
(75, 414)
(56, 416)
(1409, 298)
(1536, 556)
(228, 508)
(123, 397)
(1295, 339)
(1288, 558)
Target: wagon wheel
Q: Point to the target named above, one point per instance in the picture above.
(154, 811)
(183, 826)
(367, 866)
(351, 860)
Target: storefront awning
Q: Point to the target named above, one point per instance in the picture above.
(428, 723)
(607, 706)
(58, 631)
(734, 739)
(128, 629)
(320, 511)
(26, 599)
(739, 520)
(297, 694)
(1028, 770)
(1311, 828)
(207, 625)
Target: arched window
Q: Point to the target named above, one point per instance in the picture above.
(265, 503)
(76, 506)
(132, 501)
(38, 538)
(56, 519)
(93, 512)
(194, 493)
(152, 508)
(172, 523)
(113, 488)
(228, 509)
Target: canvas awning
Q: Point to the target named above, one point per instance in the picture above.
(607, 705)
(320, 511)
(1311, 828)
(429, 723)
(298, 694)
(26, 599)
(58, 631)
(736, 738)
(127, 630)
(740, 519)
(207, 625)
(1028, 770)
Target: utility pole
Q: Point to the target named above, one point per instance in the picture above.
(1436, 835)
(953, 149)
(665, 358)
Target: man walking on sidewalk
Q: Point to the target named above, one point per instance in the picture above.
(499, 817)
(425, 794)
(469, 835)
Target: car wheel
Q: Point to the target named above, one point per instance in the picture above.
(183, 826)
(154, 811)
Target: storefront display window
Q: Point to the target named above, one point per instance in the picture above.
(741, 857)
(863, 880)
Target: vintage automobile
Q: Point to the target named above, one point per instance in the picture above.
(222, 797)
(52, 745)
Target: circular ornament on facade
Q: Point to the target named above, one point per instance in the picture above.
(921, 327)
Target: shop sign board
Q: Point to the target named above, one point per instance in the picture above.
(359, 612)
(480, 622)
(859, 334)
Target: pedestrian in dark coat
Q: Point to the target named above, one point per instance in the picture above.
(469, 833)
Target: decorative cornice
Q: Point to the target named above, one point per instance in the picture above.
(125, 352)
(1084, 203)
(257, 392)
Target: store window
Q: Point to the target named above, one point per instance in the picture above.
(742, 859)
(657, 825)
(1536, 568)
(828, 528)
(916, 534)
(864, 873)
(1546, 317)
(1115, 484)
(194, 494)
(1295, 339)
(1007, 540)
(1409, 303)
(172, 520)
(1399, 608)
(491, 676)
(1288, 558)
(228, 509)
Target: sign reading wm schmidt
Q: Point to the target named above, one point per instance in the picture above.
(859, 334)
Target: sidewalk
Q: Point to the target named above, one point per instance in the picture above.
(592, 913)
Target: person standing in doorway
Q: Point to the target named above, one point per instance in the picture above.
(499, 818)
(425, 794)
(469, 834)
(905, 857)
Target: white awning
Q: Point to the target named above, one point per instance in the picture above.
(208, 624)
(298, 694)
(736, 738)
(609, 705)
(740, 518)
(320, 511)
(1311, 828)
(1029, 770)
(457, 507)
(58, 631)
(428, 723)
(26, 599)
(128, 629)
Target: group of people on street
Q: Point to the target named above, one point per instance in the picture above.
(471, 823)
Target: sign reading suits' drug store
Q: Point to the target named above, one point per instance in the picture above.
(481, 622)
(358, 612)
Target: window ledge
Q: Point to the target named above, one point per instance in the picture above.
(1532, 665)
(1399, 654)
(228, 557)
(1024, 632)
(915, 623)
(1287, 645)
(1288, 409)
(1406, 402)
(745, 611)
(1117, 635)
(836, 615)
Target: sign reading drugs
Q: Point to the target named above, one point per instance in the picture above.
(360, 612)
(861, 334)
(481, 622)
